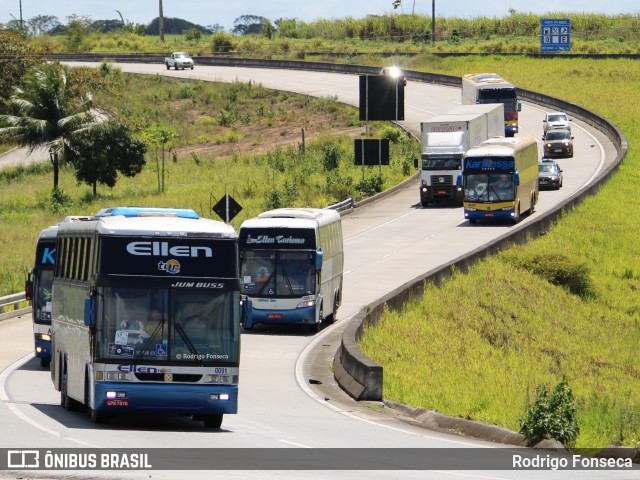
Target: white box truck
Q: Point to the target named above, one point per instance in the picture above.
(445, 139)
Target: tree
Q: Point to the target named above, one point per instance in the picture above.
(247, 24)
(22, 58)
(99, 154)
(43, 24)
(49, 113)
(160, 135)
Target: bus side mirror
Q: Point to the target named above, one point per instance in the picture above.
(319, 256)
(516, 179)
(519, 105)
(89, 312)
(28, 287)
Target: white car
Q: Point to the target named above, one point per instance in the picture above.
(554, 120)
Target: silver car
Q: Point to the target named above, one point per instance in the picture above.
(556, 120)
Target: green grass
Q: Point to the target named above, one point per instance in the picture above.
(478, 346)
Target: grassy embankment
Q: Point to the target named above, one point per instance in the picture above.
(478, 346)
(236, 138)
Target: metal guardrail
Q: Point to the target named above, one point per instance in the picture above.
(9, 305)
(342, 206)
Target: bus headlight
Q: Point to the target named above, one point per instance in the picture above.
(219, 396)
(43, 336)
(306, 304)
(117, 376)
(226, 379)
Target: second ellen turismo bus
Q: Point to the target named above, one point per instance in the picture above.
(500, 179)
(146, 315)
(291, 262)
(491, 88)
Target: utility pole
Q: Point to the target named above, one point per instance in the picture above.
(161, 23)
(21, 22)
(433, 21)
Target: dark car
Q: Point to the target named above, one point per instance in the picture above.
(394, 72)
(558, 143)
(549, 175)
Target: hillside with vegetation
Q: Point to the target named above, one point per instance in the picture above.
(483, 348)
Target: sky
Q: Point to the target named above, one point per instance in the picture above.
(224, 12)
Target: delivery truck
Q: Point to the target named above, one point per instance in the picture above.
(445, 139)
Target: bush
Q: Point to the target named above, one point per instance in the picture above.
(330, 157)
(370, 186)
(275, 199)
(558, 269)
(221, 43)
(551, 415)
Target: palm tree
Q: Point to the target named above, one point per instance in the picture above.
(49, 113)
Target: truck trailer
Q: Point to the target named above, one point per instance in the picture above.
(445, 139)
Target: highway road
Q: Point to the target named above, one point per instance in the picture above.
(387, 244)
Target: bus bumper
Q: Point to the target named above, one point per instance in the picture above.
(165, 398)
(304, 315)
(43, 348)
(489, 215)
(510, 130)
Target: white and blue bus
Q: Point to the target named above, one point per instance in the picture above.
(38, 289)
(291, 266)
(146, 315)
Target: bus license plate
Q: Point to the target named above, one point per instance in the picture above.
(274, 315)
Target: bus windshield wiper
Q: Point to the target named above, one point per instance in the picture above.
(186, 340)
(288, 282)
(147, 344)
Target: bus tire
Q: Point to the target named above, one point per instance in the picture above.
(99, 418)
(66, 402)
(45, 363)
(332, 318)
(472, 221)
(212, 421)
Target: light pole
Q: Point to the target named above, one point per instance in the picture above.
(21, 23)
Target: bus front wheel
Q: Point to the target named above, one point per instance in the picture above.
(212, 421)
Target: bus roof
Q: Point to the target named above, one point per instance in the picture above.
(500, 146)
(157, 226)
(52, 230)
(293, 218)
(488, 80)
(149, 211)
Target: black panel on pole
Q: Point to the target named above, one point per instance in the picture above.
(381, 97)
(372, 152)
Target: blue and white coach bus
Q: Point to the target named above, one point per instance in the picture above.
(146, 315)
(291, 266)
(38, 289)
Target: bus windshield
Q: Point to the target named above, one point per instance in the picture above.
(159, 324)
(506, 97)
(489, 187)
(278, 273)
(42, 300)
